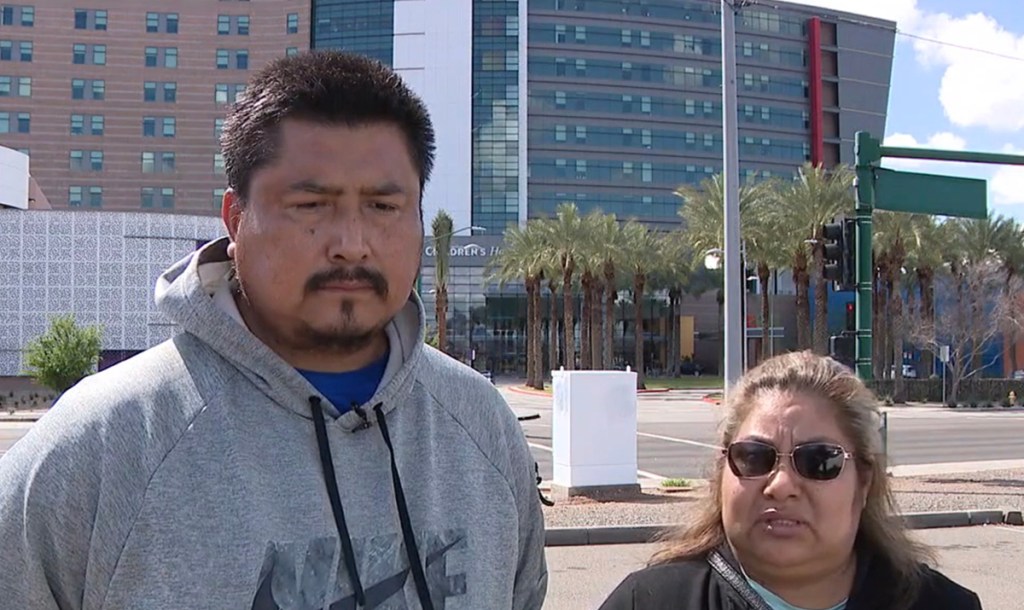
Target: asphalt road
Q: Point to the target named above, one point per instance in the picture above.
(676, 434)
(983, 559)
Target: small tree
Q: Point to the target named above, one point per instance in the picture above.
(64, 355)
(967, 322)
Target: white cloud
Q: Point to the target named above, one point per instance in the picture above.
(978, 89)
(1006, 187)
(943, 140)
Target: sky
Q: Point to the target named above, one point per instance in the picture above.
(969, 96)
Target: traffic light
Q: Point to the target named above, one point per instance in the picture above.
(838, 252)
(851, 317)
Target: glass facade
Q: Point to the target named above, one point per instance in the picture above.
(625, 101)
(496, 169)
(360, 26)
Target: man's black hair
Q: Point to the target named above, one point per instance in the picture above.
(328, 87)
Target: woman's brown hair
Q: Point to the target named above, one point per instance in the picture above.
(880, 531)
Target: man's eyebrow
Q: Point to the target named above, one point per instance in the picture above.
(312, 186)
(384, 189)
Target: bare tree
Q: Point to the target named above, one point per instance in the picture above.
(973, 313)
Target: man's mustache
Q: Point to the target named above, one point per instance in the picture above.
(321, 280)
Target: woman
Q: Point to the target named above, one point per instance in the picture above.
(799, 514)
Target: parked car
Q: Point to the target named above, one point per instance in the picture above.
(909, 372)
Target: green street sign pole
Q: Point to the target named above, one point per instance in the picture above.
(867, 156)
(885, 189)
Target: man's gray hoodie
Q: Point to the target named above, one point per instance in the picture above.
(190, 477)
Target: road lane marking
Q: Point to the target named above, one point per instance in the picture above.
(683, 441)
(642, 473)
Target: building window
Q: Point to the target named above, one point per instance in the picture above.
(96, 54)
(218, 127)
(28, 16)
(77, 89)
(154, 197)
(167, 162)
(95, 196)
(293, 23)
(218, 198)
(25, 86)
(149, 127)
(149, 92)
(162, 22)
(96, 125)
(90, 19)
(152, 56)
(171, 57)
(148, 162)
(225, 93)
(222, 59)
(169, 126)
(96, 160)
(170, 92)
(75, 196)
(242, 60)
(218, 164)
(5, 122)
(232, 24)
(77, 124)
(99, 89)
(291, 51)
(24, 122)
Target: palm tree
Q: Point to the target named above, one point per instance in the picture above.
(608, 233)
(703, 218)
(925, 256)
(672, 274)
(524, 257)
(441, 228)
(892, 232)
(565, 234)
(640, 244)
(1010, 252)
(816, 196)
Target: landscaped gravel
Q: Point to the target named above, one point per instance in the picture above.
(1002, 490)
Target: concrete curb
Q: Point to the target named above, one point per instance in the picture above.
(642, 534)
(21, 417)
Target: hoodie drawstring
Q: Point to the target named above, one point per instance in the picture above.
(411, 550)
(331, 481)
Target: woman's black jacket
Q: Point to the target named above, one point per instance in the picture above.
(697, 585)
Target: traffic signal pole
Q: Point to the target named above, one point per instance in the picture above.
(866, 152)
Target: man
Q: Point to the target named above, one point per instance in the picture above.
(297, 446)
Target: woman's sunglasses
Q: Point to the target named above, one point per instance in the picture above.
(814, 461)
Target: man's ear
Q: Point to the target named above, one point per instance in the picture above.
(231, 213)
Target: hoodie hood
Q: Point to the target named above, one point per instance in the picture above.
(197, 294)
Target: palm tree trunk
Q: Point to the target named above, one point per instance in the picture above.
(820, 303)
(596, 328)
(897, 339)
(803, 306)
(1010, 337)
(609, 315)
(887, 329)
(673, 334)
(441, 314)
(586, 284)
(553, 327)
(764, 276)
(877, 347)
(927, 288)
(531, 378)
(638, 309)
(535, 336)
(568, 336)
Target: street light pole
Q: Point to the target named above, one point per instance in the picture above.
(734, 293)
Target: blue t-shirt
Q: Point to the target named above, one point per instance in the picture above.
(351, 388)
(776, 602)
